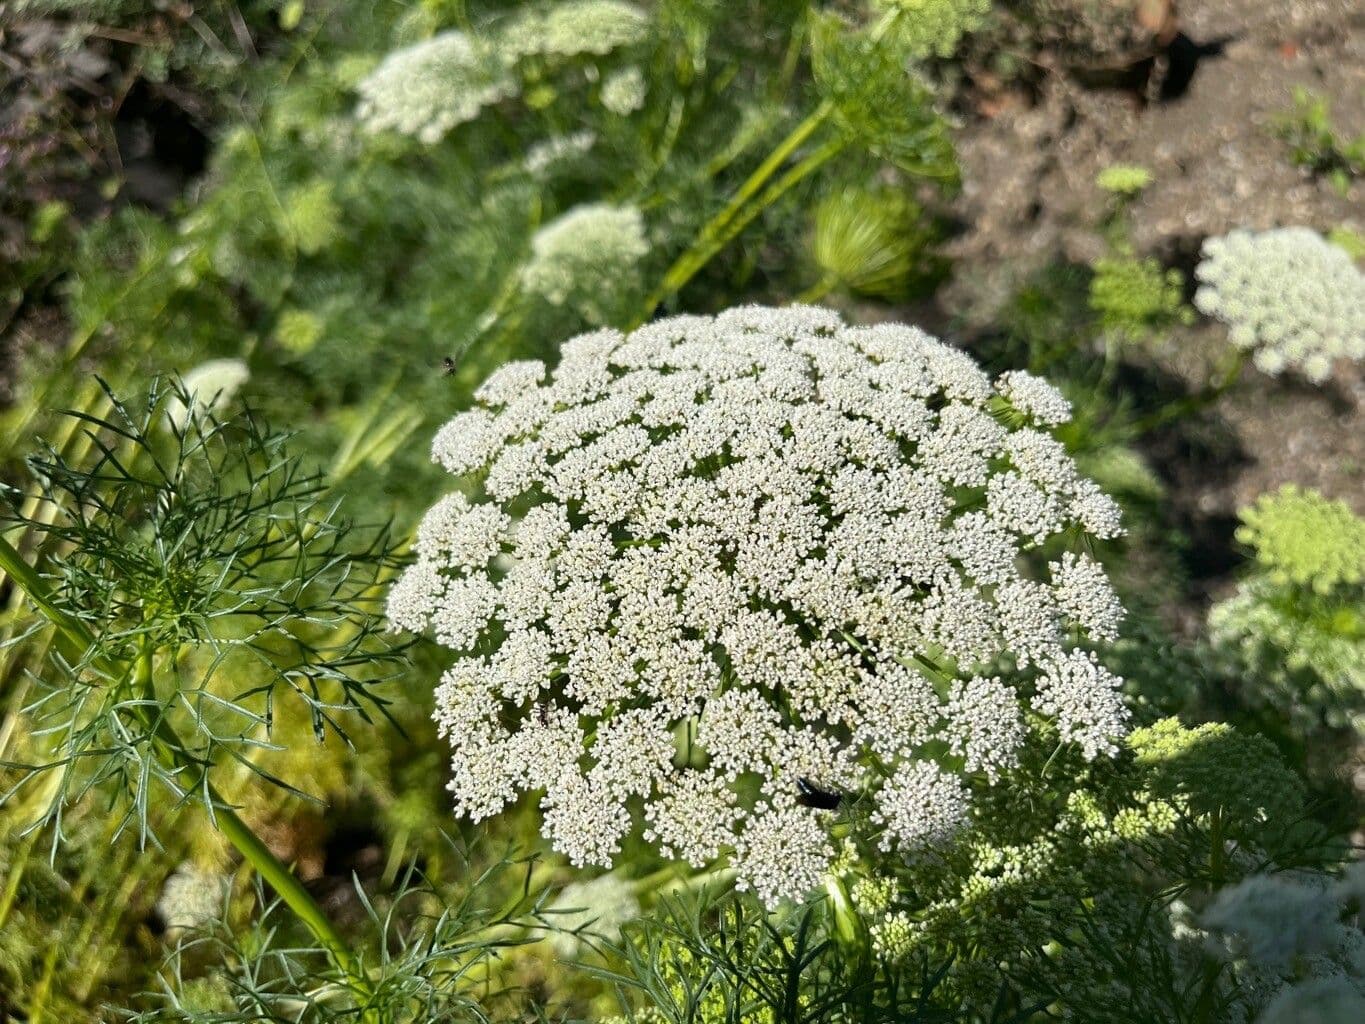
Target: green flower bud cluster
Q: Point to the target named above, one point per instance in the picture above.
(1304, 539)
(1017, 890)
(1295, 627)
(1136, 297)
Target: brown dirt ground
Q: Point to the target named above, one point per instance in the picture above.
(1029, 198)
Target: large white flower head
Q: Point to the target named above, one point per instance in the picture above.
(581, 258)
(1290, 296)
(772, 545)
(427, 89)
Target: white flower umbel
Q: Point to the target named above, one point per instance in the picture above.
(191, 898)
(558, 149)
(623, 92)
(584, 911)
(798, 554)
(1289, 296)
(210, 387)
(576, 27)
(581, 258)
(427, 89)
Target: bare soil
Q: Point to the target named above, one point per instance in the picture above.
(1030, 198)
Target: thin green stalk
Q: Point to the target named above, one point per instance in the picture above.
(1194, 403)
(726, 224)
(718, 230)
(16, 875)
(1204, 1005)
(1216, 851)
(80, 641)
(818, 290)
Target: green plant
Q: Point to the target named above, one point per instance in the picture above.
(1080, 888)
(1295, 627)
(709, 960)
(1137, 298)
(1315, 144)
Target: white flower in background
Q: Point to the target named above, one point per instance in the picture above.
(191, 898)
(577, 27)
(796, 543)
(1291, 297)
(210, 388)
(541, 156)
(595, 909)
(427, 89)
(583, 258)
(623, 92)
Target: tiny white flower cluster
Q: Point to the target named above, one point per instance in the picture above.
(542, 156)
(210, 388)
(426, 89)
(577, 27)
(623, 92)
(581, 257)
(1294, 298)
(780, 547)
(191, 898)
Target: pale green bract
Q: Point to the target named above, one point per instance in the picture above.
(1288, 296)
(596, 909)
(192, 898)
(209, 388)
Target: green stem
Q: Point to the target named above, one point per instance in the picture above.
(1216, 847)
(79, 641)
(718, 230)
(818, 290)
(1204, 1005)
(1191, 404)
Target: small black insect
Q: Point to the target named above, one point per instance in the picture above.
(447, 366)
(811, 795)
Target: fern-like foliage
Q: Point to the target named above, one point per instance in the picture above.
(210, 575)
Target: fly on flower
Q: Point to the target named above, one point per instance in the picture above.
(811, 795)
